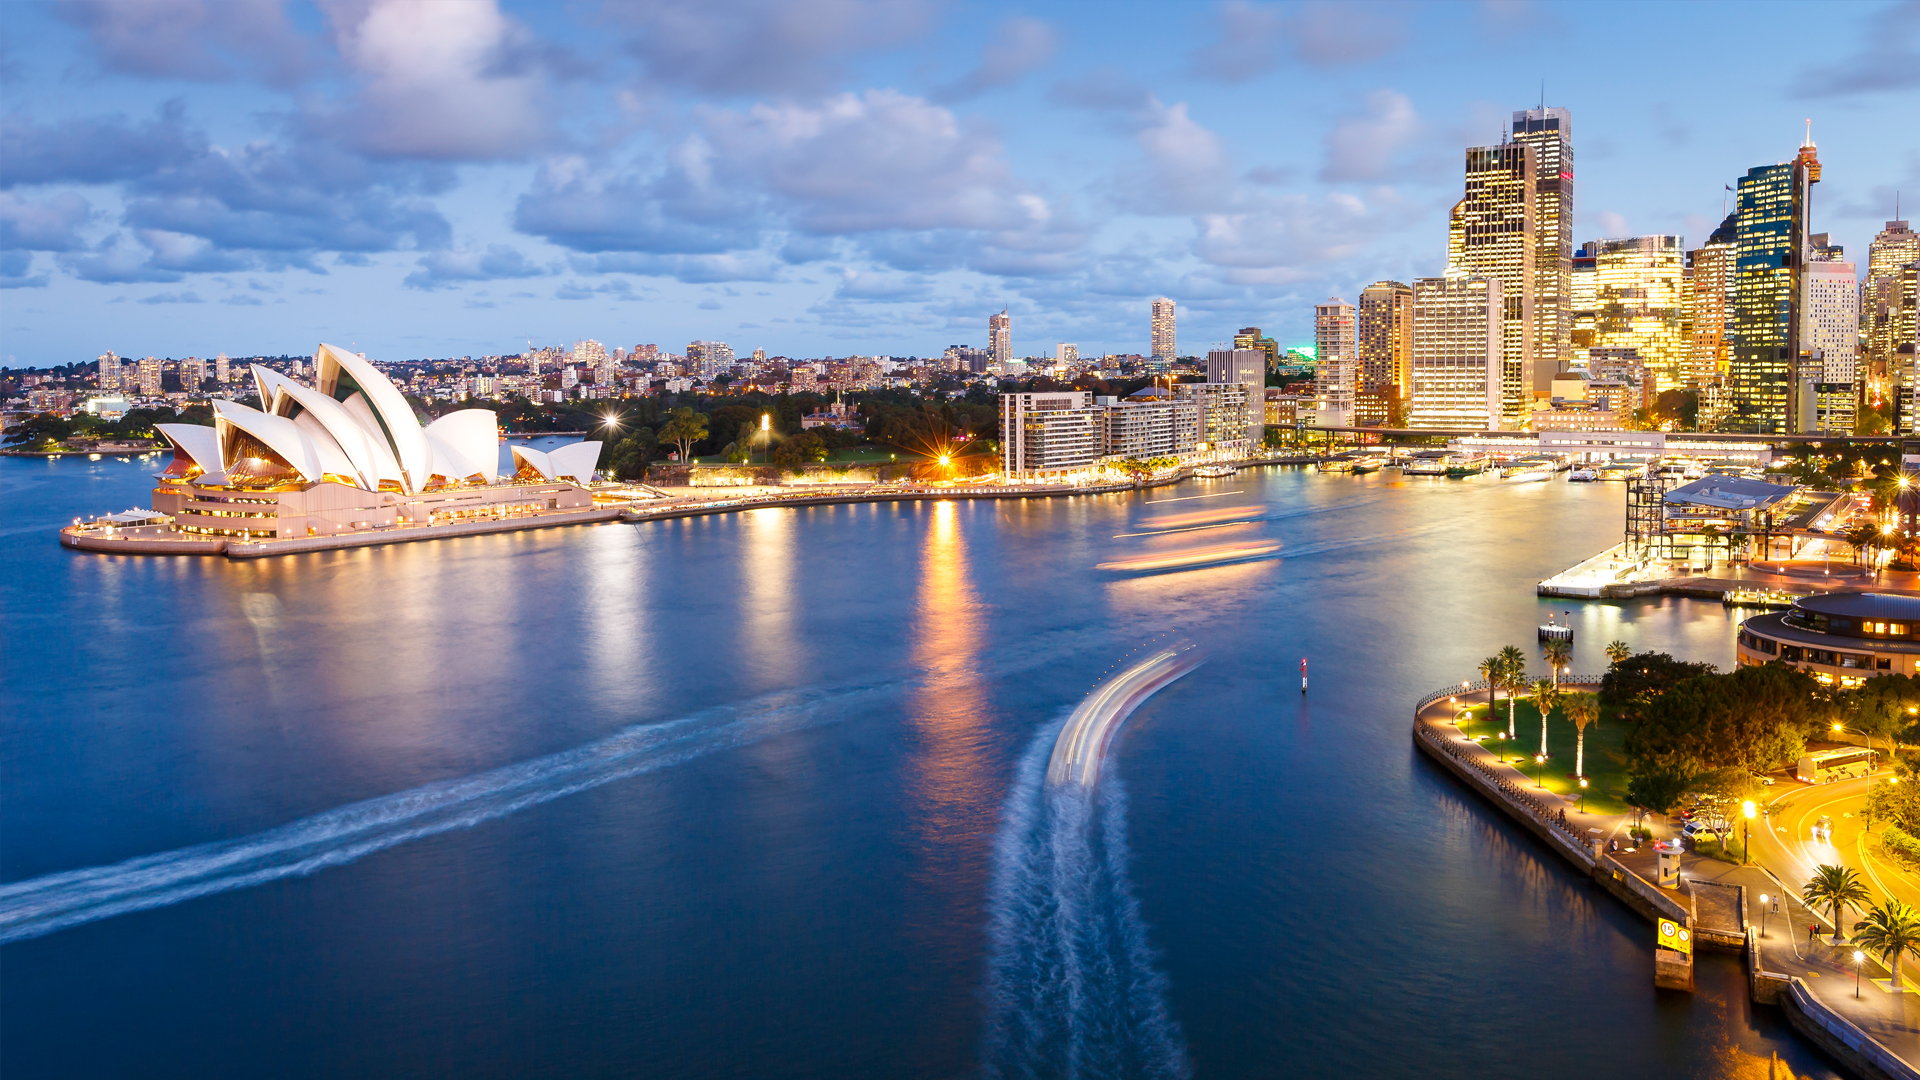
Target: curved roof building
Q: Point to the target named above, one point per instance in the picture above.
(1843, 638)
(353, 427)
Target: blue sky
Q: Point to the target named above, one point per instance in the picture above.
(855, 176)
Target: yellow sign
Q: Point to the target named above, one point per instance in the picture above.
(1675, 936)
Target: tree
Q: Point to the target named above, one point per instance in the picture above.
(1618, 651)
(1546, 697)
(631, 454)
(1582, 710)
(683, 428)
(1837, 887)
(1513, 670)
(799, 450)
(1558, 654)
(1658, 790)
(1633, 683)
(1756, 718)
(1890, 931)
(1491, 669)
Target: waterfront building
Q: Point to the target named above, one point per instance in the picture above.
(1165, 347)
(347, 454)
(1549, 131)
(1773, 244)
(1000, 339)
(1383, 337)
(107, 375)
(1336, 346)
(1044, 434)
(1247, 368)
(1585, 292)
(1640, 304)
(1230, 423)
(1457, 353)
(149, 375)
(1495, 229)
(1148, 426)
(1841, 639)
(1831, 343)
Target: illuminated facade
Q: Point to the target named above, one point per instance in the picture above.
(1496, 229)
(1886, 321)
(1250, 337)
(1336, 347)
(1840, 639)
(1549, 131)
(1229, 423)
(1457, 343)
(1384, 350)
(1046, 433)
(1710, 308)
(1000, 339)
(1247, 369)
(1772, 228)
(1164, 344)
(1586, 294)
(1830, 338)
(1640, 303)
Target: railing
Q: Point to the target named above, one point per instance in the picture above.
(1480, 686)
(1513, 791)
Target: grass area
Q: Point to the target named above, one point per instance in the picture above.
(1606, 763)
(872, 455)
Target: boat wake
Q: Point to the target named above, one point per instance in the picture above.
(57, 901)
(1071, 988)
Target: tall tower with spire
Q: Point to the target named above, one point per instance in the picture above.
(1550, 133)
(1772, 248)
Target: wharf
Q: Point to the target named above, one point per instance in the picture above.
(1611, 575)
(1875, 1035)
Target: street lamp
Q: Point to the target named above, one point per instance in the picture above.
(1539, 770)
(1746, 833)
(1583, 794)
(1763, 914)
(766, 430)
(1857, 957)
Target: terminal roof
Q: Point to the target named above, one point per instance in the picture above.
(1729, 493)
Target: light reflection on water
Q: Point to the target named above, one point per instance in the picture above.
(1321, 901)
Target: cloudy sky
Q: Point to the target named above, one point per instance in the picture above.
(825, 177)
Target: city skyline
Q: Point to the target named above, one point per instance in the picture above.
(657, 174)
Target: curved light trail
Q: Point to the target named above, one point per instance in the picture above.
(1082, 744)
(1185, 558)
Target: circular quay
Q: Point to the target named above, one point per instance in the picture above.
(871, 538)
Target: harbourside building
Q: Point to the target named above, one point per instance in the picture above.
(1049, 434)
(1457, 367)
(1840, 639)
(346, 455)
(1247, 368)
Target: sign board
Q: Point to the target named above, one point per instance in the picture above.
(1675, 936)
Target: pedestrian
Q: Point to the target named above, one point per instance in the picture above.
(1813, 931)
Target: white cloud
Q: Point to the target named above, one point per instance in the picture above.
(1363, 147)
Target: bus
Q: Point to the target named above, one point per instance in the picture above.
(1826, 766)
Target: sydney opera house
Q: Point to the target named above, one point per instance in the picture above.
(347, 454)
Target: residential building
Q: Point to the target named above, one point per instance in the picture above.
(193, 372)
(1549, 131)
(150, 385)
(1384, 350)
(1497, 235)
(1066, 353)
(1148, 427)
(1458, 353)
(1000, 338)
(1247, 368)
(108, 374)
(221, 369)
(1231, 419)
(1044, 434)
(1774, 202)
(1250, 337)
(1336, 347)
(1165, 347)
(1640, 304)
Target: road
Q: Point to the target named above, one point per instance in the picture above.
(1787, 846)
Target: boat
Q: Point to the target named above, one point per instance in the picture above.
(1372, 463)
(1622, 472)
(1336, 465)
(1584, 474)
(1215, 471)
(1467, 465)
(1527, 470)
(1425, 465)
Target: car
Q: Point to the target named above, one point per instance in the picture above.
(1702, 829)
(1823, 830)
(1765, 781)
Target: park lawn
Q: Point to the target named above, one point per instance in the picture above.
(871, 454)
(1606, 761)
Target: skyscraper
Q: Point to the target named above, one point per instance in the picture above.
(1640, 303)
(193, 373)
(1384, 349)
(1457, 349)
(1495, 229)
(1896, 246)
(1164, 345)
(1550, 133)
(1710, 313)
(1250, 337)
(1830, 337)
(1247, 369)
(149, 377)
(108, 376)
(1585, 294)
(220, 369)
(1335, 349)
(1000, 338)
(1772, 248)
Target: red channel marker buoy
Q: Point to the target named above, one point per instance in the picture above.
(1303, 674)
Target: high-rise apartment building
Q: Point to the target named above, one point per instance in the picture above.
(1550, 132)
(1164, 346)
(1830, 341)
(1640, 303)
(1049, 433)
(221, 369)
(1246, 368)
(1066, 352)
(193, 373)
(1896, 246)
(1384, 349)
(149, 377)
(108, 373)
(1250, 337)
(759, 357)
(1232, 415)
(1336, 348)
(1000, 339)
(1496, 231)
(1458, 348)
(1772, 249)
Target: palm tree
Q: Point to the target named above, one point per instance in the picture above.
(1583, 710)
(1545, 697)
(1618, 651)
(1837, 887)
(1490, 670)
(1513, 668)
(1890, 931)
(1558, 653)
(1711, 535)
